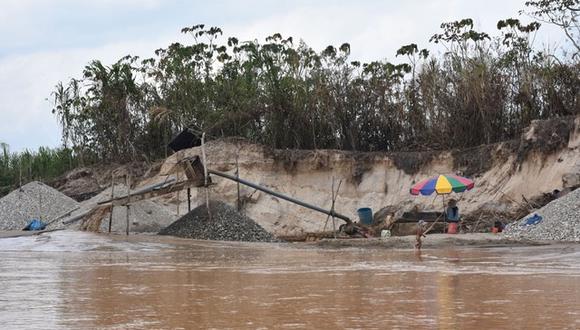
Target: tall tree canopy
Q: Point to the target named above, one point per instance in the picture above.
(485, 88)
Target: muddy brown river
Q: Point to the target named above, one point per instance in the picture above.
(73, 280)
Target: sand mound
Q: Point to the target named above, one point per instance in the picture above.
(560, 221)
(144, 216)
(34, 200)
(226, 224)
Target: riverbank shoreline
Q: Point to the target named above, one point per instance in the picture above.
(22, 233)
(432, 241)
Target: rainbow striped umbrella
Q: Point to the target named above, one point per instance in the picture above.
(442, 184)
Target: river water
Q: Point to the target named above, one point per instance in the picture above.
(74, 280)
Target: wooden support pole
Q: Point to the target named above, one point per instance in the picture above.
(40, 206)
(444, 216)
(205, 175)
(332, 211)
(238, 183)
(188, 199)
(178, 195)
(128, 183)
(112, 196)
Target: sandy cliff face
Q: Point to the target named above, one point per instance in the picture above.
(503, 174)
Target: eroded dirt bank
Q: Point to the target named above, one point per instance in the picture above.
(511, 177)
(508, 176)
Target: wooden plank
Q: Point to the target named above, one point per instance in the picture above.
(128, 183)
(194, 170)
(150, 194)
(413, 220)
(421, 215)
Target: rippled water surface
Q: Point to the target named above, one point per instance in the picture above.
(72, 280)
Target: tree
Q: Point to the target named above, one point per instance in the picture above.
(285, 94)
(562, 13)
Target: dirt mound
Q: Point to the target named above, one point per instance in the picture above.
(546, 137)
(144, 216)
(84, 183)
(34, 200)
(80, 184)
(226, 224)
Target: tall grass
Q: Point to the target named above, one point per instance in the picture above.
(18, 168)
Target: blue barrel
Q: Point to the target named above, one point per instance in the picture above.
(365, 214)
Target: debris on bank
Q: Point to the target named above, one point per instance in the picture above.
(34, 200)
(226, 224)
(559, 220)
(144, 216)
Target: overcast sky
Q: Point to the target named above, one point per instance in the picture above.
(46, 41)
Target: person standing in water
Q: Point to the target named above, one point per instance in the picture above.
(420, 234)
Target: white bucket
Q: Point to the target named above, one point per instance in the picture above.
(385, 233)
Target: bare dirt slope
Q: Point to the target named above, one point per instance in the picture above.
(504, 173)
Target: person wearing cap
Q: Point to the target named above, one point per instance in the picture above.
(420, 234)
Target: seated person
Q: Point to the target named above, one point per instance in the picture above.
(452, 211)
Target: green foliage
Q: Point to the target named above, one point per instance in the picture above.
(287, 95)
(26, 166)
(459, 31)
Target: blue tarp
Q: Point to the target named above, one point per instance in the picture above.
(35, 224)
(533, 220)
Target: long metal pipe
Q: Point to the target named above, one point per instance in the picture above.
(279, 195)
(146, 189)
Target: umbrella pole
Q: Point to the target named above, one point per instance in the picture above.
(444, 217)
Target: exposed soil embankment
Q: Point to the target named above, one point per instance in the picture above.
(508, 176)
(84, 183)
(511, 178)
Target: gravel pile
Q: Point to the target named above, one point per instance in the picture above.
(560, 221)
(226, 224)
(144, 216)
(34, 200)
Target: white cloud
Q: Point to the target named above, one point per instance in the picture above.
(24, 12)
(26, 82)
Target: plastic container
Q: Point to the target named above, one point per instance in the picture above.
(365, 214)
(385, 233)
(452, 229)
